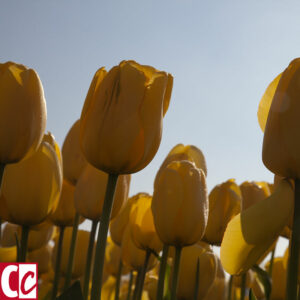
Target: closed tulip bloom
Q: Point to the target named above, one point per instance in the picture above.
(90, 193)
(132, 256)
(119, 223)
(181, 152)
(281, 144)
(74, 161)
(251, 233)
(22, 112)
(42, 256)
(8, 254)
(253, 192)
(187, 271)
(31, 187)
(64, 213)
(224, 204)
(151, 286)
(142, 227)
(180, 205)
(80, 252)
(49, 138)
(121, 121)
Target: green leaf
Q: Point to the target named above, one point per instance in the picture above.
(251, 295)
(264, 279)
(72, 293)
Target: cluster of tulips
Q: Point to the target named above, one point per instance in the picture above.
(144, 247)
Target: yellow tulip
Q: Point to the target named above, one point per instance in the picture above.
(49, 138)
(119, 223)
(142, 227)
(252, 232)
(42, 256)
(8, 254)
(181, 152)
(80, 252)
(281, 144)
(23, 112)
(112, 259)
(253, 192)
(132, 256)
(187, 271)
(108, 288)
(180, 205)
(64, 213)
(237, 279)
(151, 286)
(31, 187)
(74, 161)
(121, 121)
(90, 192)
(224, 204)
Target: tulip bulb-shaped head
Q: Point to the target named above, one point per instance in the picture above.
(121, 121)
(180, 204)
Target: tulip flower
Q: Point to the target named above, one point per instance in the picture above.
(187, 273)
(181, 152)
(64, 214)
(74, 161)
(119, 223)
(8, 254)
(252, 192)
(251, 233)
(151, 286)
(49, 138)
(90, 193)
(224, 204)
(21, 102)
(42, 256)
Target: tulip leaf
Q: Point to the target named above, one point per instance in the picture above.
(264, 279)
(251, 295)
(72, 293)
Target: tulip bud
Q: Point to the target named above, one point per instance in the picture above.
(64, 213)
(181, 152)
(251, 233)
(142, 227)
(119, 223)
(224, 204)
(253, 192)
(281, 146)
(121, 121)
(49, 138)
(31, 187)
(187, 272)
(90, 192)
(180, 205)
(80, 252)
(132, 256)
(42, 256)
(74, 161)
(22, 112)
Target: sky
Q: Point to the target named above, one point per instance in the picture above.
(222, 54)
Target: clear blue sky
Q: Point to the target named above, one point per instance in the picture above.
(222, 54)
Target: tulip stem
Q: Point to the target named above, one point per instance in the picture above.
(89, 260)
(271, 262)
(71, 252)
(118, 281)
(102, 236)
(175, 272)
(137, 283)
(24, 243)
(58, 262)
(162, 272)
(243, 287)
(230, 288)
(143, 274)
(2, 167)
(291, 287)
(130, 285)
(196, 289)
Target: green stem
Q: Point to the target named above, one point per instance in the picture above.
(196, 289)
(58, 262)
(130, 285)
(143, 274)
(291, 287)
(118, 281)
(175, 272)
(72, 252)
(162, 272)
(89, 260)
(137, 284)
(229, 287)
(243, 287)
(24, 243)
(102, 236)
